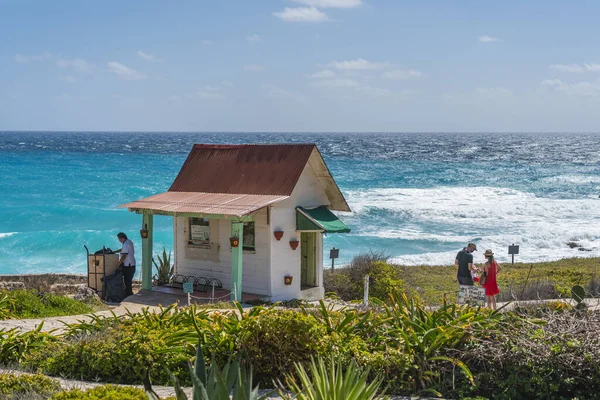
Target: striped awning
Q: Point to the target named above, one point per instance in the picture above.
(204, 203)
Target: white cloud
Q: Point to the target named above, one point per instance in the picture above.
(210, 92)
(227, 84)
(402, 74)
(580, 89)
(587, 67)
(124, 72)
(358, 65)
(174, 99)
(253, 68)
(20, 58)
(302, 14)
(337, 83)
(70, 79)
(488, 39)
(207, 42)
(495, 91)
(76, 63)
(330, 3)
(323, 74)
(253, 38)
(149, 57)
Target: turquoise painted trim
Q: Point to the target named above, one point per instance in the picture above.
(147, 223)
(237, 230)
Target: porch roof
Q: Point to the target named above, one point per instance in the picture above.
(204, 203)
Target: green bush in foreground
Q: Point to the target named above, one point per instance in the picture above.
(27, 386)
(106, 392)
(32, 304)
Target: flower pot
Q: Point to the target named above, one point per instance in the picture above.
(278, 234)
(144, 233)
(294, 244)
(235, 242)
(288, 279)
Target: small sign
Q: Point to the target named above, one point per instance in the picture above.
(188, 287)
(334, 253)
(514, 249)
(472, 295)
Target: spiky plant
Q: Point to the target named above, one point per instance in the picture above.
(164, 269)
(331, 382)
(233, 381)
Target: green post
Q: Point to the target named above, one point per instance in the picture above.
(237, 231)
(147, 253)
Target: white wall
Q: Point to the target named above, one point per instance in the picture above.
(285, 261)
(216, 262)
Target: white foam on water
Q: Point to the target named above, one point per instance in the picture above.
(7, 234)
(495, 217)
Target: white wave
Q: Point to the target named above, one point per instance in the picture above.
(7, 234)
(577, 179)
(496, 217)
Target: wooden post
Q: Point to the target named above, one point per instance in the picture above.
(147, 220)
(237, 230)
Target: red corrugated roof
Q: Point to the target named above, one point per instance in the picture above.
(260, 169)
(204, 203)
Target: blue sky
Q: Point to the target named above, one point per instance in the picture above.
(300, 65)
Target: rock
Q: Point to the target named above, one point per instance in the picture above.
(12, 286)
(85, 293)
(584, 249)
(573, 245)
(66, 288)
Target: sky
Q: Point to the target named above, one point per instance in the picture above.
(300, 65)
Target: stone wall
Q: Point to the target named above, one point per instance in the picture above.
(47, 283)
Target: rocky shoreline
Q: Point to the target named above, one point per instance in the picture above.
(60, 284)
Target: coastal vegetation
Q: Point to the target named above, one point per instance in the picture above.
(413, 348)
(20, 304)
(433, 284)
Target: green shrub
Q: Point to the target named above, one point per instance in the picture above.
(559, 360)
(22, 386)
(33, 304)
(276, 339)
(348, 282)
(116, 355)
(105, 392)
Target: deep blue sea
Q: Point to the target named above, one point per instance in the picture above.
(417, 197)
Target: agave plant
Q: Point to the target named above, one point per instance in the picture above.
(331, 382)
(233, 381)
(164, 269)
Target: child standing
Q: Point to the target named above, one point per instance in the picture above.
(491, 269)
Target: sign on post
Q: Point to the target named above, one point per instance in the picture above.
(333, 254)
(472, 295)
(512, 250)
(188, 287)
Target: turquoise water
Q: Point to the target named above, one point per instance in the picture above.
(417, 197)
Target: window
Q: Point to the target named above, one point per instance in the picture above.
(199, 232)
(248, 236)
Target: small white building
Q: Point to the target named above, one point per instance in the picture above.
(252, 216)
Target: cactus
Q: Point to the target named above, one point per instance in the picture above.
(578, 294)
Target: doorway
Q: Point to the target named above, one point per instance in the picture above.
(308, 252)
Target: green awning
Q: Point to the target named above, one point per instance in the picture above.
(319, 219)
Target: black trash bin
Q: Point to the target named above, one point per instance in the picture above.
(114, 287)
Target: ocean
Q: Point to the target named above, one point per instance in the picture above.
(416, 197)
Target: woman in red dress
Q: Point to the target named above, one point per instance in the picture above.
(491, 268)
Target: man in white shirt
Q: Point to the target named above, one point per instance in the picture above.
(127, 261)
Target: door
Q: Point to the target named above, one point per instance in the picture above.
(308, 253)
